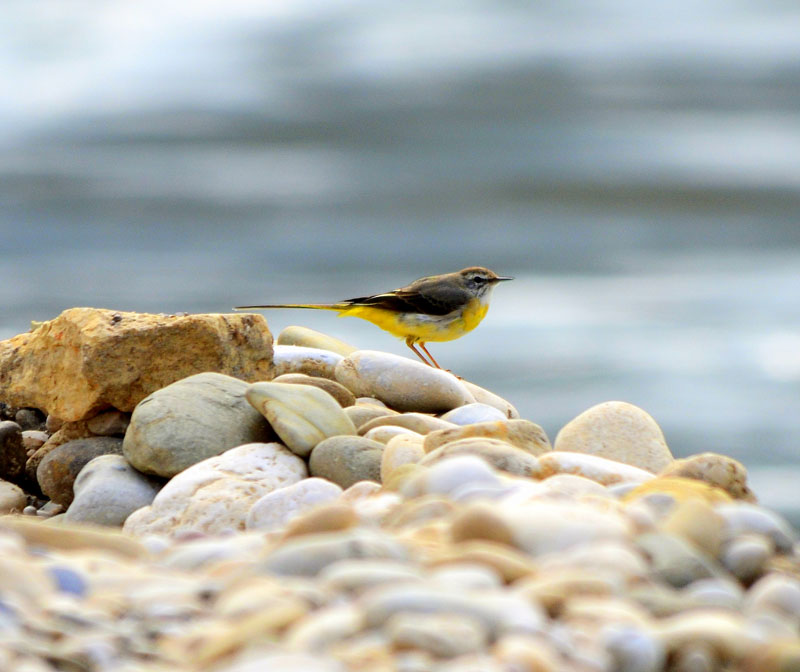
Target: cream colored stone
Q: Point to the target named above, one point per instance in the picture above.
(385, 433)
(417, 422)
(500, 454)
(275, 509)
(309, 338)
(696, 522)
(483, 396)
(88, 359)
(299, 359)
(469, 414)
(600, 469)
(12, 498)
(718, 470)
(301, 415)
(339, 392)
(520, 433)
(618, 431)
(362, 413)
(726, 633)
(401, 449)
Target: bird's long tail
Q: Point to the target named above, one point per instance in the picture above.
(312, 306)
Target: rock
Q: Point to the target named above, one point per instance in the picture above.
(678, 490)
(777, 594)
(88, 359)
(12, 498)
(442, 635)
(309, 338)
(310, 361)
(618, 431)
(743, 518)
(109, 423)
(724, 633)
(193, 419)
(301, 415)
(402, 384)
(696, 522)
(633, 648)
(447, 476)
(385, 433)
(108, 490)
(416, 422)
(499, 454)
(400, 450)
(275, 509)
(362, 413)
(717, 470)
(359, 575)
(604, 471)
(325, 627)
(33, 439)
(522, 434)
(60, 467)
(469, 414)
(330, 517)
(345, 460)
(519, 652)
(53, 424)
(746, 555)
(479, 520)
(483, 396)
(215, 495)
(29, 418)
(12, 452)
(339, 392)
(676, 561)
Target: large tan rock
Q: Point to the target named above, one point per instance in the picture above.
(88, 359)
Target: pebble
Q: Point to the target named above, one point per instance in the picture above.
(447, 476)
(109, 423)
(401, 383)
(469, 414)
(215, 495)
(358, 576)
(309, 338)
(190, 420)
(33, 439)
(385, 433)
(345, 460)
(717, 470)
(484, 396)
(401, 449)
(441, 635)
(775, 593)
(12, 498)
(13, 453)
(417, 422)
(107, 490)
(58, 470)
(599, 469)
(30, 418)
(499, 454)
(362, 413)
(521, 434)
(301, 415)
(675, 561)
(696, 522)
(742, 518)
(339, 392)
(301, 359)
(746, 555)
(618, 431)
(275, 509)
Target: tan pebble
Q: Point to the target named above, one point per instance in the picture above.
(469, 414)
(599, 469)
(696, 522)
(573, 486)
(248, 594)
(554, 587)
(618, 431)
(309, 338)
(746, 555)
(674, 560)
(360, 490)
(12, 498)
(301, 415)
(33, 439)
(523, 653)
(385, 433)
(53, 424)
(499, 454)
(357, 576)
(591, 612)
(522, 434)
(718, 470)
(780, 656)
(442, 635)
(613, 560)
(324, 518)
(679, 488)
(483, 396)
(109, 423)
(324, 627)
(401, 383)
(726, 633)
(339, 392)
(372, 401)
(775, 593)
(508, 562)
(480, 520)
(401, 449)
(402, 476)
(417, 422)
(419, 510)
(345, 460)
(363, 413)
(299, 359)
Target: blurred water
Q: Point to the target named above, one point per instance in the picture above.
(635, 165)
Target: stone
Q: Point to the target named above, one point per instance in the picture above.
(275, 509)
(717, 470)
(746, 555)
(480, 520)
(725, 633)
(676, 561)
(60, 467)
(469, 414)
(416, 422)
(12, 498)
(499, 454)
(678, 490)
(633, 648)
(109, 423)
(522, 434)
(339, 392)
(345, 460)
(12, 451)
(447, 476)
(385, 433)
(30, 418)
(215, 495)
(719, 592)
(191, 420)
(483, 396)
(618, 431)
(775, 593)
(88, 359)
(309, 338)
(107, 490)
(301, 415)
(362, 413)
(359, 575)
(695, 521)
(329, 517)
(400, 383)
(742, 518)
(310, 361)
(528, 654)
(324, 627)
(600, 469)
(33, 439)
(400, 450)
(442, 635)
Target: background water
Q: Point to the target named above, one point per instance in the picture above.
(635, 165)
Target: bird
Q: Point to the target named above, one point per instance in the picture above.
(434, 308)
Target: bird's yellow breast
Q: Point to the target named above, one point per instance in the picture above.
(420, 327)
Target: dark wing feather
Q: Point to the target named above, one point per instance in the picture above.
(426, 296)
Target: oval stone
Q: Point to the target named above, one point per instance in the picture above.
(336, 390)
(345, 460)
(298, 359)
(309, 338)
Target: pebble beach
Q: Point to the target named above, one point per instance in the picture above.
(183, 493)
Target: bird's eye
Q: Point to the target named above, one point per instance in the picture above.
(479, 279)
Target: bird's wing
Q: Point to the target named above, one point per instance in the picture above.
(419, 297)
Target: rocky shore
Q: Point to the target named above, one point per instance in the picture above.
(181, 494)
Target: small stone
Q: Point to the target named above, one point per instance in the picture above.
(676, 561)
(618, 431)
(522, 434)
(480, 520)
(191, 420)
(359, 575)
(299, 359)
(275, 509)
(718, 470)
(604, 471)
(726, 634)
(59, 469)
(553, 588)
(696, 522)
(717, 592)
(29, 418)
(362, 413)
(339, 392)
(53, 424)
(13, 454)
(746, 555)
(417, 422)
(329, 517)
(402, 384)
(400, 450)
(499, 454)
(301, 415)
(447, 476)
(108, 490)
(742, 518)
(109, 423)
(528, 654)
(469, 414)
(324, 627)
(385, 433)
(345, 460)
(775, 593)
(33, 439)
(633, 648)
(12, 498)
(309, 338)
(215, 495)
(483, 396)
(441, 635)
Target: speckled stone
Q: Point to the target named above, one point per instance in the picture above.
(339, 392)
(275, 509)
(521, 434)
(345, 460)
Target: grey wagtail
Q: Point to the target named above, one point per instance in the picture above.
(436, 308)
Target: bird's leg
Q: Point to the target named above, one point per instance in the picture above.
(435, 363)
(410, 344)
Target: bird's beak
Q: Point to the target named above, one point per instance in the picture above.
(500, 278)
